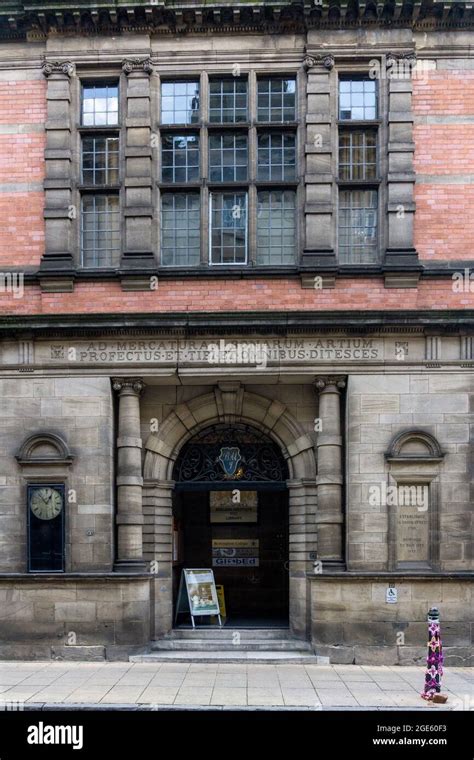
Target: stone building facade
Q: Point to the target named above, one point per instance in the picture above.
(236, 228)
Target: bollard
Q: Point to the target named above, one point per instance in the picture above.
(434, 660)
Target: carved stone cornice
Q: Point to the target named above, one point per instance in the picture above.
(396, 58)
(65, 68)
(134, 65)
(128, 385)
(324, 381)
(327, 61)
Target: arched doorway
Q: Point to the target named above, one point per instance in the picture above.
(230, 512)
(229, 403)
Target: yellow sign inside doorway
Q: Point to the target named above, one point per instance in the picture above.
(221, 600)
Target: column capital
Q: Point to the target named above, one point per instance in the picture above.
(64, 68)
(327, 61)
(131, 386)
(137, 66)
(322, 382)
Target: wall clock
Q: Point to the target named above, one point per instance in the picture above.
(46, 502)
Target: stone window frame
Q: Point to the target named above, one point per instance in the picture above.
(415, 469)
(46, 469)
(358, 69)
(83, 77)
(252, 185)
(140, 165)
(397, 258)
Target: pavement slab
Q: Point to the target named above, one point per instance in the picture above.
(64, 685)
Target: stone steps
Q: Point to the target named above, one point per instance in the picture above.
(227, 634)
(246, 645)
(265, 645)
(302, 657)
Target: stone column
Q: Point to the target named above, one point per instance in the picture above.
(59, 212)
(329, 480)
(319, 253)
(138, 181)
(401, 265)
(129, 558)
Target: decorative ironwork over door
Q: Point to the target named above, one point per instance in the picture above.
(231, 456)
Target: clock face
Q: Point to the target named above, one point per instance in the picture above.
(46, 503)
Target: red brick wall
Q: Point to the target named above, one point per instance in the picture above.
(444, 219)
(238, 295)
(443, 226)
(22, 104)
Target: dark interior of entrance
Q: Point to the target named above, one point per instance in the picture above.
(230, 513)
(253, 566)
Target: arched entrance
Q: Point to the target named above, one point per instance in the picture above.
(230, 512)
(229, 403)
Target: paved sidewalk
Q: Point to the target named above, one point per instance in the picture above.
(30, 685)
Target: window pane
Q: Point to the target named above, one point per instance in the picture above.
(276, 99)
(99, 105)
(228, 100)
(180, 229)
(276, 158)
(357, 155)
(357, 99)
(227, 157)
(228, 228)
(276, 227)
(180, 102)
(180, 158)
(100, 160)
(358, 226)
(100, 231)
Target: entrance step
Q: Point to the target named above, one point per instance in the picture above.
(244, 645)
(268, 657)
(222, 645)
(227, 634)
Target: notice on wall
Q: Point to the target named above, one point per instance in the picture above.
(235, 552)
(412, 533)
(225, 510)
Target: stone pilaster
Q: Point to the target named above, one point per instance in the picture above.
(158, 550)
(59, 211)
(319, 254)
(401, 265)
(138, 191)
(129, 556)
(329, 481)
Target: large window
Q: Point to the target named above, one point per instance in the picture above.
(180, 239)
(357, 226)
(240, 148)
(358, 99)
(276, 156)
(276, 227)
(228, 157)
(180, 158)
(228, 212)
(358, 171)
(228, 100)
(180, 102)
(357, 155)
(276, 99)
(100, 176)
(100, 160)
(99, 105)
(100, 230)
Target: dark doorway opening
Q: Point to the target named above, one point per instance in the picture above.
(230, 513)
(255, 587)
